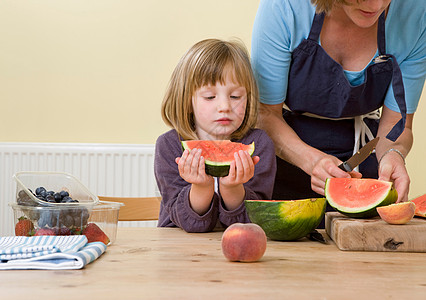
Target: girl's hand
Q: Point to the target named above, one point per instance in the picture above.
(241, 169)
(192, 169)
(392, 168)
(327, 167)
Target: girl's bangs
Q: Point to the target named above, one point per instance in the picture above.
(218, 69)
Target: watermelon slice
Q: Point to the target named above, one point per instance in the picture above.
(218, 154)
(420, 203)
(358, 198)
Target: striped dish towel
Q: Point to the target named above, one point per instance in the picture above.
(48, 252)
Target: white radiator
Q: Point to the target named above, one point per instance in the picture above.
(106, 169)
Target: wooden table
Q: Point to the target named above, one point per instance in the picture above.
(167, 263)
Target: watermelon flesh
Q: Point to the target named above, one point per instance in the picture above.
(286, 220)
(359, 198)
(420, 203)
(218, 154)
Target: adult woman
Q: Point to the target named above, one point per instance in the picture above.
(333, 64)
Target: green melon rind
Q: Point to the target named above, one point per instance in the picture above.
(363, 212)
(218, 169)
(286, 220)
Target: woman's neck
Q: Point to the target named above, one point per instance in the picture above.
(350, 45)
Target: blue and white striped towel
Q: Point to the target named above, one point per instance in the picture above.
(48, 252)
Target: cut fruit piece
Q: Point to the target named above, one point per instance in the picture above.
(398, 213)
(359, 197)
(218, 154)
(420, 203)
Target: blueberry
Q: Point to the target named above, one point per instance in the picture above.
(39, 190)
(67, 199)
(58, 197)
(41, 198)
(64, 194)
(50, 193)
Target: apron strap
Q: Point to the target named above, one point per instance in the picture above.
(399, 94)
(381, 37)
(316, 27)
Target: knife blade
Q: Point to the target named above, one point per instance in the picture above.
(315, 236)
(360, 156)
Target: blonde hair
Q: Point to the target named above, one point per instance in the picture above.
(206, 63)
(326, 5)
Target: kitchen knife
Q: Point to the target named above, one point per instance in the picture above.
(360, 156)
(315, 236)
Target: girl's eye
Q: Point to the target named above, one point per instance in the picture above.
(235, 97)
(209, 97)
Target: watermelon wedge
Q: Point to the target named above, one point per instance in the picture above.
(420, 203)
(218, 154)
(358, 198)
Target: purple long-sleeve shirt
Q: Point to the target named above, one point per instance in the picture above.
(175, 207)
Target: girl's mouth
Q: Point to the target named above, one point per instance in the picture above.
(223, 121)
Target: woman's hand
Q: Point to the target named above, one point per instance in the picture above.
(327, 167)
(392, 168)
(192, 169)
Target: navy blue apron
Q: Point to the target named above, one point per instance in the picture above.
(317, 85)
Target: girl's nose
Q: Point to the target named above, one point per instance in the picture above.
(224, 104)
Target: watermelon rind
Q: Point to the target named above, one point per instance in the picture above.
(389, 196)
(286, 220)
(216, 168)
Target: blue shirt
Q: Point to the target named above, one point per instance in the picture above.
(281, 25)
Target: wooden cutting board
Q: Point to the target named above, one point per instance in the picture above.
(375, 234)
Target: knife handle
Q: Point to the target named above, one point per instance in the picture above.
(345, 167)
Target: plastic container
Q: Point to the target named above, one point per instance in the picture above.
(105, 215)
(70, 220)
(62, 220)
(28, 182)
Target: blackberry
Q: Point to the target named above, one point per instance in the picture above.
(24, 199)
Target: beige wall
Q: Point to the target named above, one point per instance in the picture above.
(95, 70)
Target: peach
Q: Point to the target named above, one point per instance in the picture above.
(398, 213)
(244, 242)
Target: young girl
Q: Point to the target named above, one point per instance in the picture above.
(212, 95)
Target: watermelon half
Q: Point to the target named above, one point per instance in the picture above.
(218, 154)
(359, 197)
(420, 203)
(286, 220)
